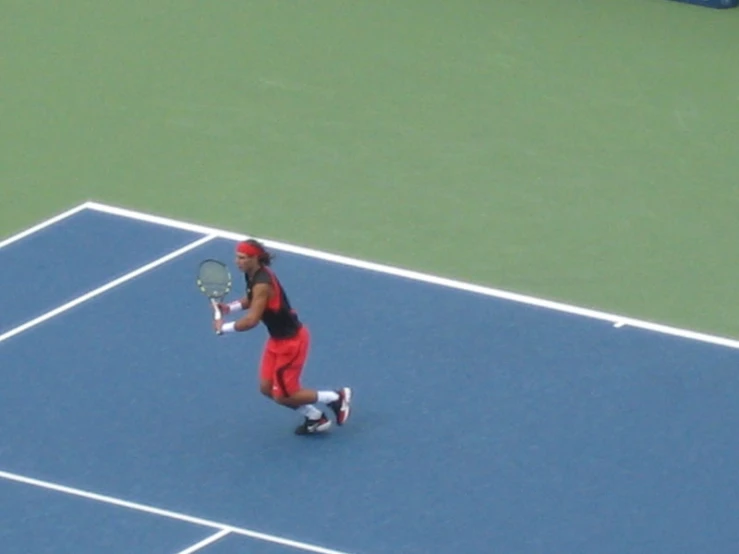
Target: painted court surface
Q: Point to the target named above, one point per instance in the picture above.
(483, 421)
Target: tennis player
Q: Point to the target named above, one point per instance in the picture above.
(287, 347)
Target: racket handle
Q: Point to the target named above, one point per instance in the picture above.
(216, 311)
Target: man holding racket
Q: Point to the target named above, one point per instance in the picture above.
(287, 347)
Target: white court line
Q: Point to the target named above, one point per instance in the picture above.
(206, 542)
(42, 225)
(165, 513)
(100, 290)
(618, 320)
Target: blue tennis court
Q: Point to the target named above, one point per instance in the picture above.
(480, 424)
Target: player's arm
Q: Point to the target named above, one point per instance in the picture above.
(236, 306)
(259, 299)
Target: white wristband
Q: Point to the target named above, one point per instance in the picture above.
(235, 306)
(229, 327)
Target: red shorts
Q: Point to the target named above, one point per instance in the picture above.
(283, 361)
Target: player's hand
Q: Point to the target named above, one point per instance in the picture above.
(224, 308)
(217, 326)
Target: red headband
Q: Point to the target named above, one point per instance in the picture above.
(249, 249)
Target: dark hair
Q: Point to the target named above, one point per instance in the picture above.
(265, 257)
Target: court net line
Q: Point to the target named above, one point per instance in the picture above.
(106, 287)
(618, 321)
(221, 527)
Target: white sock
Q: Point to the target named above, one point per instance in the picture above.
(310, 411)
(326, 396)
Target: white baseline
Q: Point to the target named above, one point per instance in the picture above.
(617, 320)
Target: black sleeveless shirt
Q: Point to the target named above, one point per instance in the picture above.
(280, 319)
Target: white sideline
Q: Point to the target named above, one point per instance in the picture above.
(164, 513)
(106, 287)
(617, 320)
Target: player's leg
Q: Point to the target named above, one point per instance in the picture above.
(339, 401)
(265, 387)
(289, 359)
(287, 391)
(266, 371)
(296, 398)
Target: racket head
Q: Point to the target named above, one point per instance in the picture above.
(214, 280)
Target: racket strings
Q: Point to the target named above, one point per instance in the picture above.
(214, 279)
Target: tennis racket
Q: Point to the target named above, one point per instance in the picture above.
(214, 281)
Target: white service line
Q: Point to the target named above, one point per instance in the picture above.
(206, 542)
(106, 287)
(165, 513)
(43, 225)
